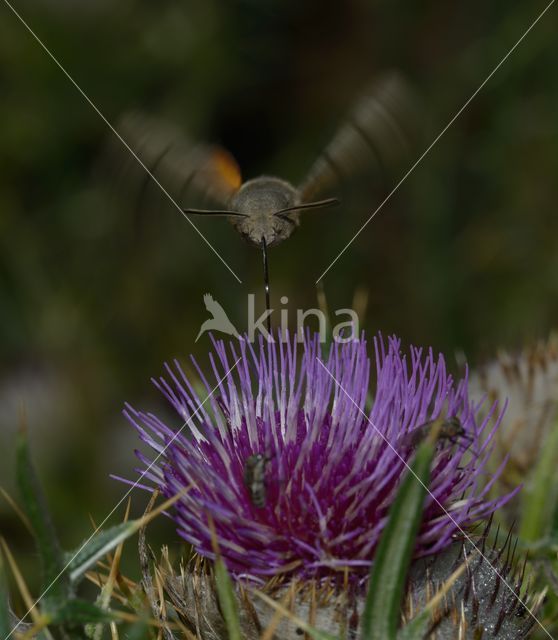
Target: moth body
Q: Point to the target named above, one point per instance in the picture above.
(259, 200)
(266, 210)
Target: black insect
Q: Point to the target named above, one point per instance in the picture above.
(451, 430)
(254, 478)
(266, 210)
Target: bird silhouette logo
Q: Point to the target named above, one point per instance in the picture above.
(219, 321)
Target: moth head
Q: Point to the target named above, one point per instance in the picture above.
(258, 201)
(265, 210)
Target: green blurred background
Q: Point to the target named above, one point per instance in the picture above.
(464, 256)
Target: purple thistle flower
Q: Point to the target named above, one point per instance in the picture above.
(328, 466)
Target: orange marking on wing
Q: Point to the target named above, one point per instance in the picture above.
(227, 168)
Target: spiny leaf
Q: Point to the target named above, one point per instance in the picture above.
(96, 547)
(393, 556)
(101, 542)
(48, 546)
(227, 600)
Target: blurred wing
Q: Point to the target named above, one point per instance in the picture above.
(376, 134)
(186, 170)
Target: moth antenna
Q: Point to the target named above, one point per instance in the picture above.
(216, 212)
(328, 202)
(266, 284)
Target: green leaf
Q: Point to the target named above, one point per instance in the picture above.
(540, 497)
(5, 622)
(79, 612)
(100, 543)
(96, 547)
(55, 580)
(227, 600)
(387, 577)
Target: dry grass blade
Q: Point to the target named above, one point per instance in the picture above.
(444, 589)
(148, 517)
(418, 623)
(276, 619)
(108, 587)
(13, 504)
(146, 580)
(99, 580)
(318, 635)
(37, 618)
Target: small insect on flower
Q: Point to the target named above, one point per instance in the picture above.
(254, 478)
(451, 430)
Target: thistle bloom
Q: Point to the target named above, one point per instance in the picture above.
(328, 458)
(530, 380)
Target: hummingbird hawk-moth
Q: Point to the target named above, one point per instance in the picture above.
(266, 210)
